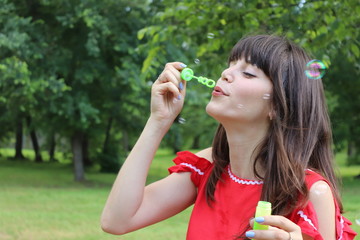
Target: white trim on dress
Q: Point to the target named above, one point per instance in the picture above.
(193, 168)
(243, 181)
(305, 217)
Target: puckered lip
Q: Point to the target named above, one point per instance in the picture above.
(218, 91)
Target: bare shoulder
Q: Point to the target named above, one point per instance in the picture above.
(205, 153)
(320, 192)
(321, 197)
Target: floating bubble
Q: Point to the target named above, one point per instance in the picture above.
(210, 35)
(266, 96)
(181, 120)
(321, 188)
(315, 69)
(357, 221)
(185, 45)
(240, 106)
(197, 61)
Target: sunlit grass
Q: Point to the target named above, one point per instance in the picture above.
(41, 201)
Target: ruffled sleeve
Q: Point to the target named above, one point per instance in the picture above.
(189, 162)
(306, 217)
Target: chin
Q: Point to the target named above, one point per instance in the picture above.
(216, 112)
(210, 110)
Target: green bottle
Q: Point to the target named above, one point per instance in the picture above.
(262, 209)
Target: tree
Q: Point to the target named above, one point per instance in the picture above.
(88, 59)
(207, 30)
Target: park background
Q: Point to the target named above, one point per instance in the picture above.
(75, 79)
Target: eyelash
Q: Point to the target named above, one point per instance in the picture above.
(248, 74)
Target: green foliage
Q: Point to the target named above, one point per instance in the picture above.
(354, 159)
(342, 82)
(207, 30)
(73, 64)
(110, 159)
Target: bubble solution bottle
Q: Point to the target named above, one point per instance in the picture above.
(262, 209)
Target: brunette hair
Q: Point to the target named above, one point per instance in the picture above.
(299, 135)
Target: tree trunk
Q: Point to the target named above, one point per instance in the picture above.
(85, 148)
(107, 135)
(34, 140)
(19, 140)
(351, 150)
(76, 145)
(52, 147)
(196, 142)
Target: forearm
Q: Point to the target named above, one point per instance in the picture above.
(127, 192)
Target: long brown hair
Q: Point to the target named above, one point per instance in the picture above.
(299, 136)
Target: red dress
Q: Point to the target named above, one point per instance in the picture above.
(236, 201)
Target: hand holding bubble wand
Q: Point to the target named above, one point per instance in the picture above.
(188, 74)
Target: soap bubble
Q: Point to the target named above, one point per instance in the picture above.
(240, 106)
(320, 188)
(315, 69)
(197, 61)
(185, 45)
(181, 120)
(357, 220)
(266, 96)
(210, 35)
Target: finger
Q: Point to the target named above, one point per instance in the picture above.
(166, 88)
(279, 222)
(169, 76)
(174, 69)
(275, 233)
(177, 65)
(251, 222)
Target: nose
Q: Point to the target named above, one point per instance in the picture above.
(226, 76)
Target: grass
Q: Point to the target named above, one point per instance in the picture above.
(42, 202)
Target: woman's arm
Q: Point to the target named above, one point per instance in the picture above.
(323, 202)
(130, 204)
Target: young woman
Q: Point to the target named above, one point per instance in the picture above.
(273, 143)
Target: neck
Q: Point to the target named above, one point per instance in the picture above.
(242, 150)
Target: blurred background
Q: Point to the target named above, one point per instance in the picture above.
(75, 79)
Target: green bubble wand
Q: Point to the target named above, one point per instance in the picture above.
(188, 74)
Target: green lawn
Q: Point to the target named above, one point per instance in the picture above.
(41, 201)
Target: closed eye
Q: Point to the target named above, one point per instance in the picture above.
(248, 75)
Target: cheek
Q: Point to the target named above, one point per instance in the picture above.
(255, 100)
(252, 95)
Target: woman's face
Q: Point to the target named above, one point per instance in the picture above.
(242, 94)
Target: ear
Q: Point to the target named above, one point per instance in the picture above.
(272, 114)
